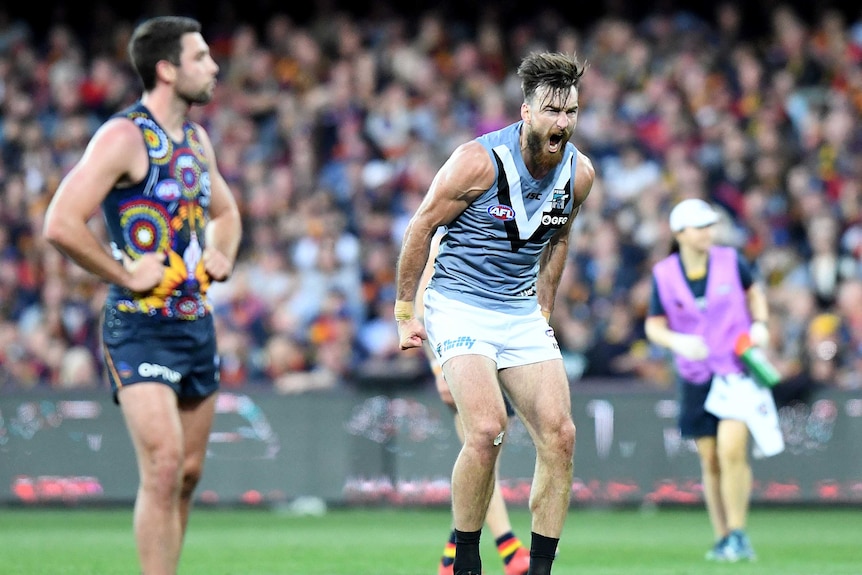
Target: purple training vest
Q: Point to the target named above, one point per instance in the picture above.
(726, 315)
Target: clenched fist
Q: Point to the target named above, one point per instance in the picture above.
(216, 264)
(146, 272)
(411, 332)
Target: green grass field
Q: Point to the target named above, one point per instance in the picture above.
(409, 542)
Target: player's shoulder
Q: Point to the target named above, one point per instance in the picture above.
(202, 133)
(585, 175)
(471, 166)
(118, 131)
(472, 150)
(585, 165)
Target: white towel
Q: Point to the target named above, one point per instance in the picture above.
(738, 396)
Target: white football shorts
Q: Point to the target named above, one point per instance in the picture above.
(456, 328)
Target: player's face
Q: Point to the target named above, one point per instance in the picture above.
(550, 118)
(196, 75)
(698, 239)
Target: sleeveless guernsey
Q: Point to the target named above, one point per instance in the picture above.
(489, 255)
(724, 318)
(164, 213)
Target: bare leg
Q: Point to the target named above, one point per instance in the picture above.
(473, 382)
(196, 417)
(474, 386)
(711, 479)
(153, 420)
(497, 516)
(735, 471)
(546, 413)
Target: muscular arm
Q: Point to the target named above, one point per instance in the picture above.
(224, 229)
(116, 154)
(466, 174)
(555, 254)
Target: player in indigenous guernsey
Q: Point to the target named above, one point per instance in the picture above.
(174, 228)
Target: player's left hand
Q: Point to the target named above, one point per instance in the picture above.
(411, 332)
(759, 334)
(216, 264)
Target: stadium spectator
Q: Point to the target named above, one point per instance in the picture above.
(78, 370)
(769, 116)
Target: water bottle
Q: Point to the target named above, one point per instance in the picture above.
(755, 360)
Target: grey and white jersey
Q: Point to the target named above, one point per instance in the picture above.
(489, 256)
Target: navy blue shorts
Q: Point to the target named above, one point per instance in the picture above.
(694, 420)
(180, 354)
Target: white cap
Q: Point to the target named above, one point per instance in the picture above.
(692, 213)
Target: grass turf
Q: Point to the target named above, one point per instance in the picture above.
(409, 542)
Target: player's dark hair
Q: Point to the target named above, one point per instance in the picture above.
(557, 70)
(158, 39)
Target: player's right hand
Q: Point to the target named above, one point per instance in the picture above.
(146, 272)
(689, 346)
(411, 332)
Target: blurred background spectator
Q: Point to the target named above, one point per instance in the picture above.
(331, 120)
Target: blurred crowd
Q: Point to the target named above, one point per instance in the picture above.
(330, 131)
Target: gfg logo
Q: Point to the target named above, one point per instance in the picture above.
(549, 220)
(501, 212)
(156, 370)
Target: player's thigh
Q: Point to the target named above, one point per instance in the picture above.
(706, 451)
(476, 390)
(540, 394)
(196, 417)
(152, 418)
(732, 439)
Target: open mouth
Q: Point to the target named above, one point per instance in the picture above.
(555, 142)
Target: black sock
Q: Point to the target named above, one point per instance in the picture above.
(467, 552)
(542, 552)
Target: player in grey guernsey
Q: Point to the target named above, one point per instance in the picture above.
(490, 253)
(507, 201)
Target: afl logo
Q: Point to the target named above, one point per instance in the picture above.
(501, 212)
(168, 191)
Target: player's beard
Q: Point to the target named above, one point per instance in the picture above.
(537, 148)
(202, 96)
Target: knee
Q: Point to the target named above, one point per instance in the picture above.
(709, 464)
(566, 435)
(191, 477)
(486, 436)
(558, 440)
(731, 455)
(162, 471)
